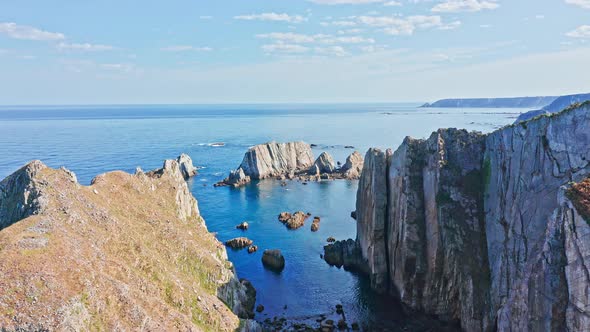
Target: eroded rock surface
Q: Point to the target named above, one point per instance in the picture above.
(478, 228)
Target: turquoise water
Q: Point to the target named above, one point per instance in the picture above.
(91, 140)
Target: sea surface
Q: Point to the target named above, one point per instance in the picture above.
(90, 140)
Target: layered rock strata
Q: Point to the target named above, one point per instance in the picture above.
(479, 229)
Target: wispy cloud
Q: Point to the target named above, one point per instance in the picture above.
(345, 2)
(281, 47)
(405, 26)
(272, 17)
(581, 3)
(26, 32)
(289, 37)
(392, 4)
(580, 32)
(455, 6)
(84, 47)
(186, 48)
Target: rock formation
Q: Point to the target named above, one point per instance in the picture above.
(482, 229)
(127, 251)
(556, 106)
(353, 167)
(239, 243)
(324, 164)
(186, 166)
(273, 259)
(293, 221)
(516, 102)
(290, 161)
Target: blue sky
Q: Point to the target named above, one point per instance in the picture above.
(253, 51)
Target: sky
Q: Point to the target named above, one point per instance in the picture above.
(290, 51)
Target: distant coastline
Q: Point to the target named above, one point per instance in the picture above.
(516, 102)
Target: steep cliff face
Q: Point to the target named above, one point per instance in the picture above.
(477, 229)
(527, 165)
(128, 251)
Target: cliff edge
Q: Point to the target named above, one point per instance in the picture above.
(488, 231)
(128, 252)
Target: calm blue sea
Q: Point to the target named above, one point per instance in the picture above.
(90, 140)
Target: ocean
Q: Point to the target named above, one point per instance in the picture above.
(90, 140)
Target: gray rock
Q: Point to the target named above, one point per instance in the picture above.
(353, 167)
(273, 259)
(275, 159)
(21, 195)
(477, 229)
(324, 164)
(238, 243)
(186, 166)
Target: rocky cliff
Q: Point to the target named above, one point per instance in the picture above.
(556, 106)
(292, 160)
(128, 252)
(479, 229)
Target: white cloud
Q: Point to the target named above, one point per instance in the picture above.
(185, 48)
(455, 6)
(272, 17)
(345, 2)
(26, 32)
(392, 4)
(280, 47)
(84, 47)
(405, 26)
(296, 38)
(580, 32)
(581, 3)
(331, 51)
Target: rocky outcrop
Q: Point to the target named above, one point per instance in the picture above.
(290, 161)
(138, 254)
(273, 259)
(371, 209)
(324, 164)
(295, 220)
(344, 254)
(478, 229)
(20, 195)
(239, 243)
(186, 166)
(353, 167)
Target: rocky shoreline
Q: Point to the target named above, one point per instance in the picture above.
(291, 161)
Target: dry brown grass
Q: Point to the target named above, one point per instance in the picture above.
(114, 255)
(579, 194)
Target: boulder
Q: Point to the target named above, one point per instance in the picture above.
(243, 226)
(284, 216)
(315, 225)
(273, 259)
(239, 243)
(252, 249)
(296, 220)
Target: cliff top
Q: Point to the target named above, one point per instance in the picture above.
(127, 251)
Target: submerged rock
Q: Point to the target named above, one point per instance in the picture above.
(273, 259)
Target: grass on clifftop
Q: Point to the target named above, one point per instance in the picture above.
(112, 256)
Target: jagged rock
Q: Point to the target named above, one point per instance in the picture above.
(236, 178)
(21, 195)
(293, 221)
(275, 159)
(475, 228)
(250, 300)
(186, 166)
(331, 239)
(344, 254)
(239, 243)
(314, 170)
(324, 164)
(315, 225)
(353, 167)
(284, 216)
(353, 215)
(371, 211)
(252, 249)
(273, 259)
(243, 226)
